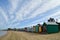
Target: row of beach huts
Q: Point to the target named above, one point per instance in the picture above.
(47, 27)
(51, 26)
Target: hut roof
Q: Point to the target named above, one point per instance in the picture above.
(51, 23)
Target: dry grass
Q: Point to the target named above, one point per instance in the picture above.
(14, 35)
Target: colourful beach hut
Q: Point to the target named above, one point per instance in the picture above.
(58, 25)
(37, 28)
(50, 27)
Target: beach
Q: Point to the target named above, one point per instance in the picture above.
(17, 35)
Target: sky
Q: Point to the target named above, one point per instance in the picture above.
(26, 13)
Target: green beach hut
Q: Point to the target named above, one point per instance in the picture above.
(50, 27)
(58, 25)
(36, 28)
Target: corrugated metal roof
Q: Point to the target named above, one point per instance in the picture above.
(51, 23)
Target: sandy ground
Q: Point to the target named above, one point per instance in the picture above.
(15, 35)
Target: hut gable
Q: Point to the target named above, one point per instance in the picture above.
(51, 23)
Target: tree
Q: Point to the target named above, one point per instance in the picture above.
(51, 20)
(9, 28)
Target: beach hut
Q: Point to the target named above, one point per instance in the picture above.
(28, 29)
(31, 29)
(50, 27)
(58, 25)
(34, 28)
(37, 28)
(25, 29)
(40, 28)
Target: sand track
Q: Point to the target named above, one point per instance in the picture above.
(15, 35)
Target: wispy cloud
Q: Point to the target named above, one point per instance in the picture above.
(16, 13)
(45, 7)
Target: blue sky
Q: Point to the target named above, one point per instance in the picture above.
(26, 13)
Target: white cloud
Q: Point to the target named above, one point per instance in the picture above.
(29, 7)
(29, 10)
(24, 11)
(19, 17)
(54, 15)
(45, 7)
(4, 15)
(13, 6)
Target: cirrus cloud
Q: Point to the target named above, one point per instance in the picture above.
(20, 13)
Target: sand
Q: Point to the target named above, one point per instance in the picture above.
(17, 35)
